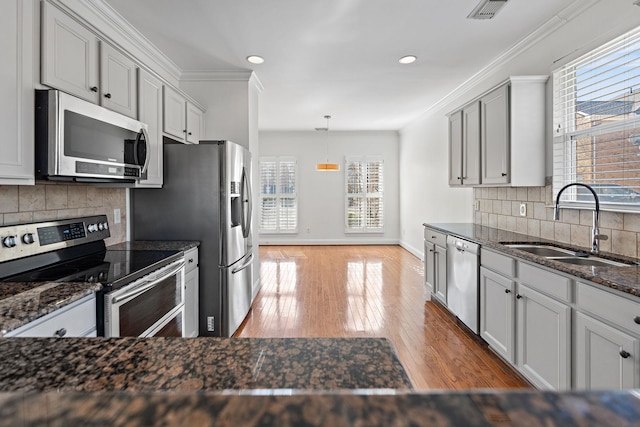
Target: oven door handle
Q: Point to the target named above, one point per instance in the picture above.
(145, 286)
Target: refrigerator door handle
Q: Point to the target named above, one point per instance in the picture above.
(246, 203)
(244, 265)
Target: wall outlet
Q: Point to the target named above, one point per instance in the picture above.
(523, 209)
(116, 216)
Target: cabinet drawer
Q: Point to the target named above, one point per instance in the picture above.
(191, 258)
(78, 319)
(545, 281)
(616, 309)
(497, 262)
(435, 237)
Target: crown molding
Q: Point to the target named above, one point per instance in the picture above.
(216, 75)
(566, 15)
(117, 30)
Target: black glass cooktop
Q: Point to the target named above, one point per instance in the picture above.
(108, 267)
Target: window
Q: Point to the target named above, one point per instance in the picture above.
(364, 195)
(278, 195)
(597, 125)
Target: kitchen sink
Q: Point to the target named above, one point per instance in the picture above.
(589, 261)
(566, 256)
(542, 250)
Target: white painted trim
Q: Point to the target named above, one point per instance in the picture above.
(217, 75)
(552, 25)
(414, 251)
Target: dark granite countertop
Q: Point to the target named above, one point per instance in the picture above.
(23, 302)
(198, 364)
(625, 279)
(155, 245)
(335, 409)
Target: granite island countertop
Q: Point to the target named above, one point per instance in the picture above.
(155, 245)
(198, 364)
(625, 278)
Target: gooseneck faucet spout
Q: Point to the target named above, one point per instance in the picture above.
(595, 232)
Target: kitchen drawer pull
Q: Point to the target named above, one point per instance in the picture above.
(637, 319)
(507, 291)
(518, 296)
(107, 95)
(504, 174)
(60, 332)
(94, 88)
(625, 354)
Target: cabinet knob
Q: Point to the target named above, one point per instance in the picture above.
(507, 291)
(60, 332)
(94, 88)
(518, 296)
(190, 133)
(459, 178)
(190, 260)
(504, 174)
(625, 354)
(107, 95)
(184, 131)
(637, 319)
(430, 250)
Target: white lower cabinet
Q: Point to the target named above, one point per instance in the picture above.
(435, 263)
(497, 317)
(605, 358)
(191, 282)
(543, 334)
(78, 319)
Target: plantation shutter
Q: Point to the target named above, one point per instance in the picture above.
(278, 195)
(597, 125)
(364, 204)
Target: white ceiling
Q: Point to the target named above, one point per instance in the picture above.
(338, 57)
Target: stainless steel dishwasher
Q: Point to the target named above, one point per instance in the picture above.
(462, 281)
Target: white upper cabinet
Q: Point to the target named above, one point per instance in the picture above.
(76, 61)
(505, 138)
(16, 86)
(150, 112)
(495, 136)
(69, 55)
(118, 81)
(182, 119)
(194, 123)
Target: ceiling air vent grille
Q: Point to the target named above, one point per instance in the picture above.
(487, 9)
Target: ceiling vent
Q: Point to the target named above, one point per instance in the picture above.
(487, 9)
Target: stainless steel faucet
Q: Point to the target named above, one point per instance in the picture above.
(595, 232)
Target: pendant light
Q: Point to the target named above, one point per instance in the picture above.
(325, 167)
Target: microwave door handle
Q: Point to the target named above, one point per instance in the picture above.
(147, 151)
(145, 286)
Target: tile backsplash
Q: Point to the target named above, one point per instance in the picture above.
(47, 200)
(499, 207)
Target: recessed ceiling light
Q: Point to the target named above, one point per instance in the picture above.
(408, 59)
(255, 59)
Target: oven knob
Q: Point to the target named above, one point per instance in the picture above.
(28, 238)
(102, 226)
(10, 241)
(92, 227)
(106, 226)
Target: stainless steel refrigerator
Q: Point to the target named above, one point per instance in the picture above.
(206, 196)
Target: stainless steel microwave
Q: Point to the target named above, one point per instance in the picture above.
(84, 142)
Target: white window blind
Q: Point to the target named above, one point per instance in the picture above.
(597, 125)
(278, 195)
(364, 203)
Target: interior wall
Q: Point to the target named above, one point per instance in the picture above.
(424, 142)
(321, 195)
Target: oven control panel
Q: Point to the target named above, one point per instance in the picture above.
(21, 240)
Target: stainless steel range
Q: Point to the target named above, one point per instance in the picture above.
(143, 291)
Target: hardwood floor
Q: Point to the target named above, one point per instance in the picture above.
(371, 291)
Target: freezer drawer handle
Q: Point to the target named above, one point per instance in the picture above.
(244, 265)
